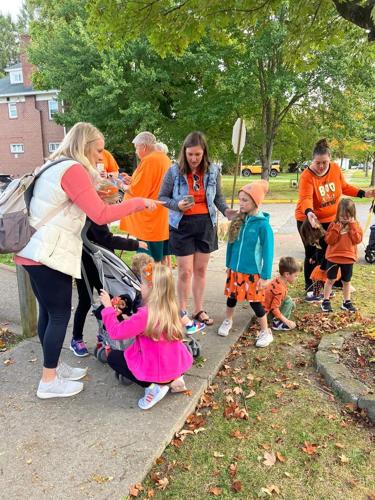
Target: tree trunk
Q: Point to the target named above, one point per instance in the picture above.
(373, 172)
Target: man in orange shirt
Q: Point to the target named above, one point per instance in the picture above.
(146, 181)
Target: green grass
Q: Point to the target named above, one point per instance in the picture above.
(280, 186)
(7, 259)
(291, 406)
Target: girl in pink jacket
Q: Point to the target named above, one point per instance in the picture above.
(158, 358)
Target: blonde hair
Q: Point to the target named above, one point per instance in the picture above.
(345, 207)
(163, 312)
(77, 143)
(139, 261)
(235, 227)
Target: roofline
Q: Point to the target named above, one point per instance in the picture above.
(33, 92)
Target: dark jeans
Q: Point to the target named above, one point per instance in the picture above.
(84, 300)
(53, 291)
(117, 362)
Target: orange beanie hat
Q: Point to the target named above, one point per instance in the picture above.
(257, 190)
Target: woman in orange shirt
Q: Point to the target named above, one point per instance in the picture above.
(321, 186)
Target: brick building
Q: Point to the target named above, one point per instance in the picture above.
(28, 133)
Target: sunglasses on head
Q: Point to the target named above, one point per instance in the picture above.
(196, 185)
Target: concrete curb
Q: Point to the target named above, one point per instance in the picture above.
(339, 378)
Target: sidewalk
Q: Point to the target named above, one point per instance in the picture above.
(99, 443)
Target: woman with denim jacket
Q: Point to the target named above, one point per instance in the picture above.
(191, 190)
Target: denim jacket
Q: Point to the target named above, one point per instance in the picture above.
(175, 187)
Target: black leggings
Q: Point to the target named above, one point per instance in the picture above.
(84, 299)
(53, 291)
(313, 257)
(256, 307)
(117, 362)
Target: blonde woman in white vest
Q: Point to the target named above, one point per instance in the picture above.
(53, 255)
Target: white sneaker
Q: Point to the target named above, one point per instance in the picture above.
(264, 339)
(225, 328)
(69, 373)
(58, 388)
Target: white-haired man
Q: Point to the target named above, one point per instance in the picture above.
(152, 227)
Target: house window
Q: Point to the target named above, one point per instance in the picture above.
(52, 146)
(16, 148)
(16, 77)
(12, 110)
(53, 107)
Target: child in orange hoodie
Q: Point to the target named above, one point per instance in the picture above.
(342, 237)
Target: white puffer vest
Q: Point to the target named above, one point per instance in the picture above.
(57, 244)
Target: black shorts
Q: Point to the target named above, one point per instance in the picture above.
(195, 233)
(346, 271)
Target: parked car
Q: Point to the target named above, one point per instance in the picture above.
(256, 168)
(5, 179)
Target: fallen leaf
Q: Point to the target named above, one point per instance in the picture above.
(237, 486)
(309, 448)
(344, 459)
(135, 490)
(250, 395)
(215, 490)
(232, 470)
(289, 365)
(101, 479)
(237, 390)
(280, 457)
(163, 483)
(237, 434)
(9, 361)
(339, 445)
(269, 459)
(218, 455)
(150, 493)
(29, 461)
(287, 474)
(188, 392)
(270, 490)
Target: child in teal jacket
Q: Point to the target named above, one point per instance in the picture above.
(249, 259)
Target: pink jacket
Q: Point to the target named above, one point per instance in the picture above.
(147, 359)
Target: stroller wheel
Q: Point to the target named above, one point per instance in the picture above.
(370, 257)
(194, 347)
(101, 355)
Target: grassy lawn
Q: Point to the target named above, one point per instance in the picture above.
(268, 426)
(280, 186)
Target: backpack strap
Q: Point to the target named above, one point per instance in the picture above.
(52, 214)
(46, 167)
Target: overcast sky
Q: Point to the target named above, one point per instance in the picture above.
(11, 7)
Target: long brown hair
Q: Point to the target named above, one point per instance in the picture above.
(192, 140)
(235, 227)
(311, 235)
(163, 312)
(321, 148)
(346, 207)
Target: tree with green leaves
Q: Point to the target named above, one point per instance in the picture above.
(9, 45)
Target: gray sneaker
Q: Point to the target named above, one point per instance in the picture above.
(264, 339)
(225, 328)
(69, 373)
(58, 388)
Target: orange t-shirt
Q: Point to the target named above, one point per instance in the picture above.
(146, 183)
(199, 193)
(342, 244)
(110, 164)
(275, 294)
(322, 194)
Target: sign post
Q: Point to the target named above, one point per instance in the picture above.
(238, 143)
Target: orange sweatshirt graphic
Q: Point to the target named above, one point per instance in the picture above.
(322, 194)
(342, 242)
(276, 292)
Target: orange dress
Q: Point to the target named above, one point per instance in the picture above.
(241, 286)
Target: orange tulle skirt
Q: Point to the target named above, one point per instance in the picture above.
(243, 287)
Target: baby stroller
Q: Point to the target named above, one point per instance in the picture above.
(370, 249)
(119, 281)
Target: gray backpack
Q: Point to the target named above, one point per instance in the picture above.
(15, 228)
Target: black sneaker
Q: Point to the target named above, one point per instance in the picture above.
(279, 325)
(348, 306)
(326, 306)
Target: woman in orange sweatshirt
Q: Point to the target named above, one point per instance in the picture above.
(320, 188)
(342, 237)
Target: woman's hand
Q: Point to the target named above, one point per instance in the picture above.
(262, 284)
(152, 204)
(370, 193)
(143, 245)
(230, 213)
(313, 219)
(105, 299)
(185, 205)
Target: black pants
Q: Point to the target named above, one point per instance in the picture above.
(53, 291)
(117, 362)
(84, 300)
(313, 257)
(257, 307)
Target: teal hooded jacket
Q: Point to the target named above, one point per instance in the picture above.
(252, 251)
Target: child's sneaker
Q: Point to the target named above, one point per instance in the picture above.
(58, 388)
(79, 348)
(265, 338)
(326, 306)
(153, 394)
(69, 373)
(194, 327)
(348, 306)
(277, 324)
(310, 297)
(225, 328)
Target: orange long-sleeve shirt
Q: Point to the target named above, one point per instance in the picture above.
(146, 183)
(322, 194)
(342, 246)
(110, 164)
(275, 294)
